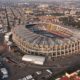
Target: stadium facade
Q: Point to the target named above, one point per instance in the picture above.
(46, 39)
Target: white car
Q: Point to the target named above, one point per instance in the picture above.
(29, 77)
(38, 72)
(4, 71)
(49, 71)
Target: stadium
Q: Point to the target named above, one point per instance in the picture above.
(46, 39)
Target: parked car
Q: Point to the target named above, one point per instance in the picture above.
(29, 77)
(49, 71)
(5, 72)
(38, 72)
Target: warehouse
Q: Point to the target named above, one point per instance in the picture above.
(34, 59)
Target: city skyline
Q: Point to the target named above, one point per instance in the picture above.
(40, 0)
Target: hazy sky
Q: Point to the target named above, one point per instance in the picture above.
(40, 0)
